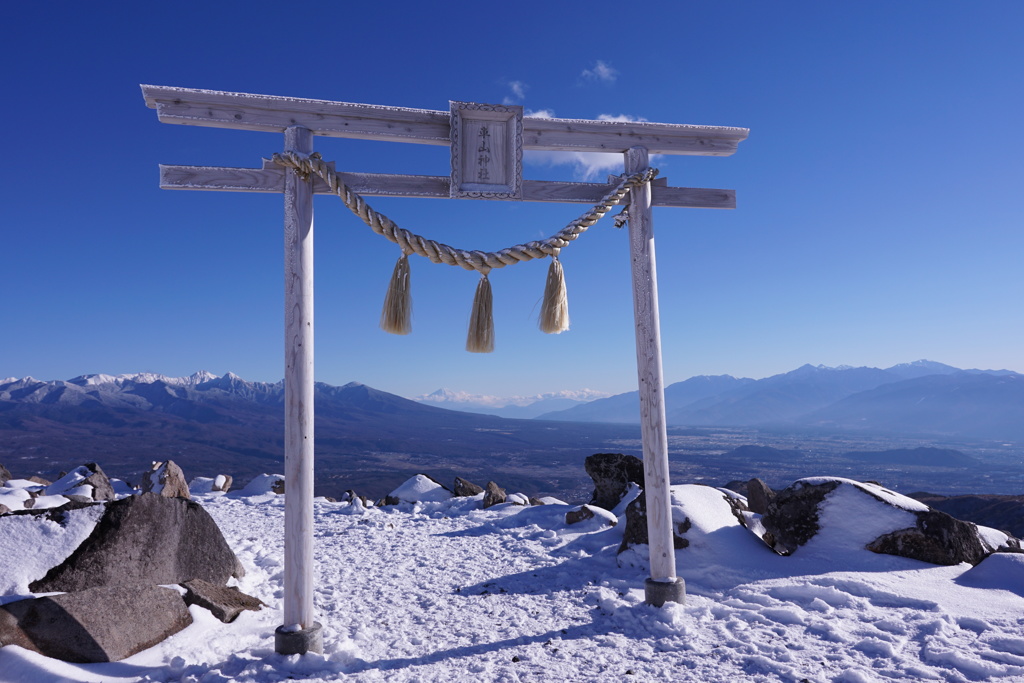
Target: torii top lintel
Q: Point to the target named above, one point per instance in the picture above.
(194, 107)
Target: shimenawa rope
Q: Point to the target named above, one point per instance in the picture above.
(396, 315)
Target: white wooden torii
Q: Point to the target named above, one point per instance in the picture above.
(499, 176)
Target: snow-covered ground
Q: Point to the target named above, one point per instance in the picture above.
(446, 591)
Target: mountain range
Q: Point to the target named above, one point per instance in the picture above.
(367, 440)
(371, 441)
(919, 398)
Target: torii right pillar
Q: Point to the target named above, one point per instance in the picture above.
(663, 585)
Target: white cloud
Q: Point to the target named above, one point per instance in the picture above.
(619, 118)
(601, 73)
(589, 166)
(518, 89)
(540, 113)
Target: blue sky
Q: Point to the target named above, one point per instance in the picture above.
(878, 221)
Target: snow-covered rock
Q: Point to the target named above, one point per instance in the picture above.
(418, 489)
(264, 484)
(88, 480)
(165, 479)
(590, 517)
(219, 484)
(875, 518)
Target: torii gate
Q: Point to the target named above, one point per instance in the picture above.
(499, 176)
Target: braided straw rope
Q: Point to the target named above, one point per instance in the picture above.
(437, 252)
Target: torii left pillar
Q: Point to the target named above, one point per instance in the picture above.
(300, 633)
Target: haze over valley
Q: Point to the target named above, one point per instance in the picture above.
(863, 423)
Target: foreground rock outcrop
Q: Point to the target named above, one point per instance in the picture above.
(793, 518)
(101, 624)
(146, 539)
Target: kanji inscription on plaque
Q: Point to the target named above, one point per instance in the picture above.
(487, 151)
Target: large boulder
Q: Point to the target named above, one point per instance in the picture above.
(891, 523)
(5, 474)
(713, 544)
(146, 539)
(938, 538)
(791, 518)
(165, 479)
(612, 473)
(102, 624)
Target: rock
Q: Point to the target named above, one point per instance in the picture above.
(225, 603)
(5, 474)
(102, 624)
(791, 518)
(88, 481)
(937, 538)
(165, 479)
(350, 496)
(146, 539)
(4, 509)
(579, 514)
(263, 484)
(998, 511)
(612, 473)
(14, 498)
(915, 531)
(635, 532)
(421, 488)
(758, 496)
(35, 478)
(737, 485)
(200, 485)
(586, 512)
(536, 501)
(493, 495)
(466, 489)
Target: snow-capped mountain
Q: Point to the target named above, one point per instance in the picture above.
(520, 407)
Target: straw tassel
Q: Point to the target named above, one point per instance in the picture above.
(481, 323)
(554, 311)
(396, 316)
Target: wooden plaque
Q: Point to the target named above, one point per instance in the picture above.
(487, 151)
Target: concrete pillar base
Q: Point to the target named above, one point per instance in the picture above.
(657, 593)
(299, 642)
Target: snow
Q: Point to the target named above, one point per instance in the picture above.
(420, 488)
(447, 591)
(70, 481)
(211, 485)
(192, 380)
(50, 542)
